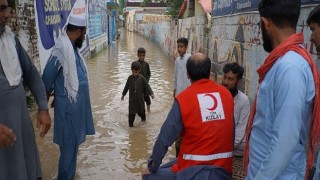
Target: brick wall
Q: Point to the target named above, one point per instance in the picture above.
(27, 33)
(24, 25)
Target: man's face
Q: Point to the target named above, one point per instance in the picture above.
(315, 36)
(141, 56)
(230, 80)
(4, 14)
(182, 49)
(78, 42)
(135, 72)
(267, 41)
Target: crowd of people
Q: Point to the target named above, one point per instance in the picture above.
(211, 124)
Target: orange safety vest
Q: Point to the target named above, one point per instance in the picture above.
(208, 135)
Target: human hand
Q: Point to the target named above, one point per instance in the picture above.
(145, 171)
(152, 96)
(122, 97)
(43, 122)
(7, 137)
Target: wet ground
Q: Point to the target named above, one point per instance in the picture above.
(117, 151)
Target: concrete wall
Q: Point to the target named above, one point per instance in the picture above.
(227, 39)
(238, 38)
(166, 33)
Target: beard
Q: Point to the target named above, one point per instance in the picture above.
(233, 91)
(78, 42)
(267, 42)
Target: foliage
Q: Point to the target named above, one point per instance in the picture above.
(174, 6)
(120, 7)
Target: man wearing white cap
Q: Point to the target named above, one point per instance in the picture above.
(19, 157)
(66, 75)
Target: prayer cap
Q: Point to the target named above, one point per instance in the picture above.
(77, 20)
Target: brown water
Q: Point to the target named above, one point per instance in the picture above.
(116, 151)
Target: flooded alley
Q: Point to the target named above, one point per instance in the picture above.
(117, 151)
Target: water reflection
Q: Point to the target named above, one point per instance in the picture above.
(117, 151)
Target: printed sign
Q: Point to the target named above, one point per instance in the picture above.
(228, 7)
(211, 107)
(51, 17)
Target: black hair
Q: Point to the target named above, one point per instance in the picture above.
(183, 40)
(73, 28)
(199, 69)
(235, 68)
(141, 50)
(283, 13)
(314, 16)
(135, 65)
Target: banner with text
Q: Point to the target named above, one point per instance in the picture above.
(51, 17)
(228, 7)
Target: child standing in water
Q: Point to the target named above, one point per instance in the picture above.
(145, 72)
(180, 78)
(137, 86)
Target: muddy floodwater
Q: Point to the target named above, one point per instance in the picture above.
(116, 151)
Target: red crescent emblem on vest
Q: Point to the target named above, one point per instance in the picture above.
(215, 102)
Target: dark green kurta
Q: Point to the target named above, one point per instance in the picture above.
(145, 70)
(137, 87)
(20, 161)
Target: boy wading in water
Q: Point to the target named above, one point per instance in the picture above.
(137, 86)
(145, 72)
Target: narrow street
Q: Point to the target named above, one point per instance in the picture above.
(117, 151)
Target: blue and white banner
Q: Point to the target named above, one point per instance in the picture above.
(228, 7)
(51, 17)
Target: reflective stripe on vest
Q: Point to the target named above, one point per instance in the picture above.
(207, 157)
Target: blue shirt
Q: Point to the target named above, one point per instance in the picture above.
(280, 129)
(75, 118)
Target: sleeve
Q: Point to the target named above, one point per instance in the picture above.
(169, 132)
(126, 87)
(289, 101)
(50, 74)
(148, 73)
(147, 89)
(175, 75)
(242, 123)
(31, 77)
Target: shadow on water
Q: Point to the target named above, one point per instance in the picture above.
(117, 151)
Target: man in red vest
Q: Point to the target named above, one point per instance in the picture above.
(203, 115)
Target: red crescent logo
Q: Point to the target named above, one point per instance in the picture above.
(215, 102)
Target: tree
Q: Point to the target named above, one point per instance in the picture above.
(174, 6)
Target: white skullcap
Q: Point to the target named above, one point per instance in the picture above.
(77, 20)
